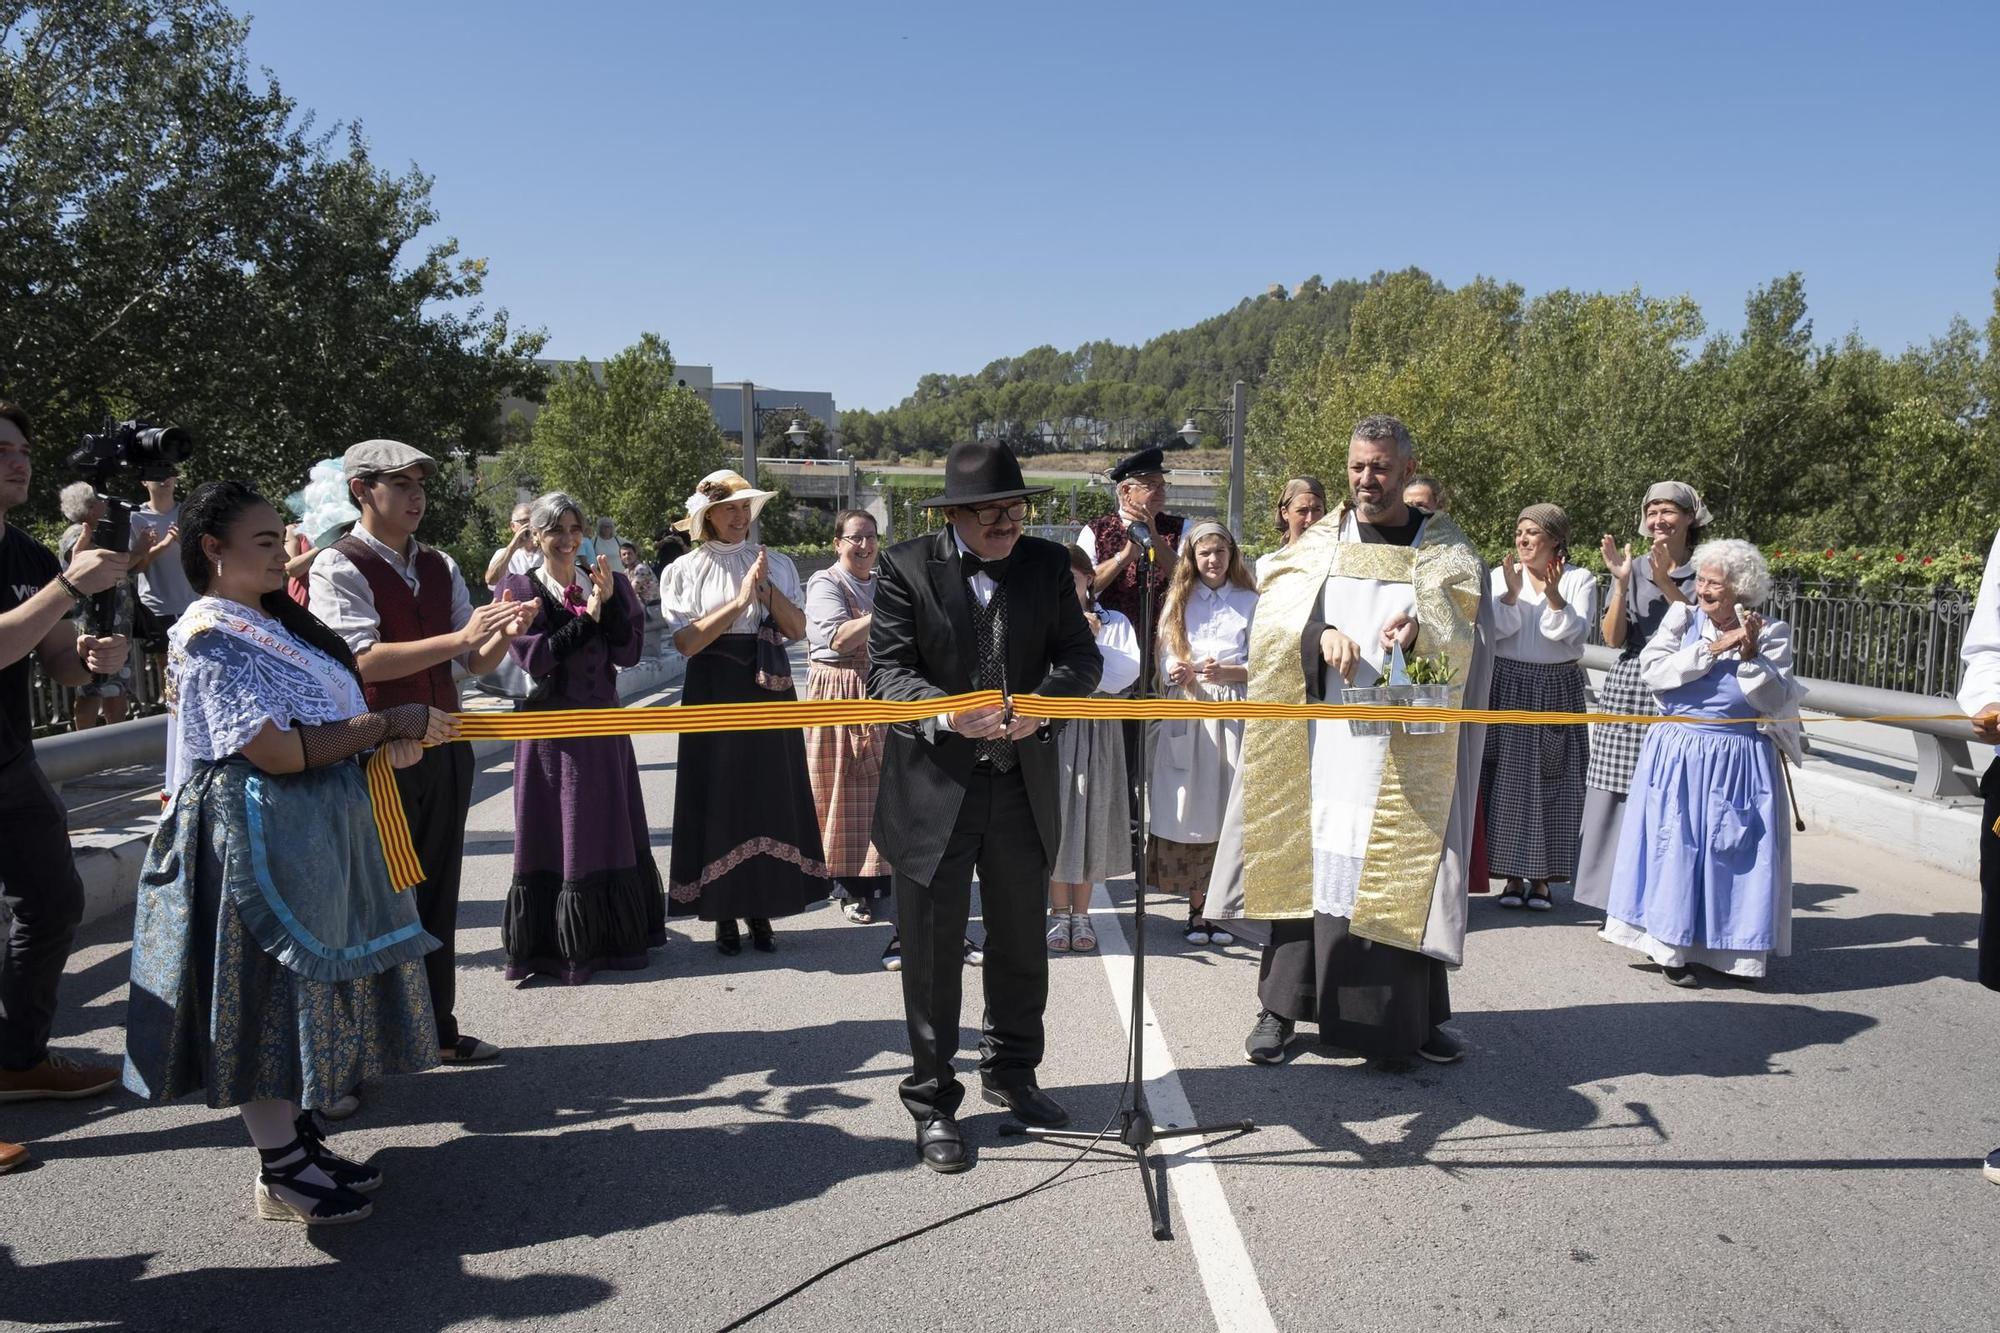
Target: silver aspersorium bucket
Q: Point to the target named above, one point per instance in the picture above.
(1367, 697)
(1427, 696)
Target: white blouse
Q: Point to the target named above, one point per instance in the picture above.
(1533, 631)
(1980, 690)
(1118, 645)
(1218, 626)
(708, 577)
(1766, 679)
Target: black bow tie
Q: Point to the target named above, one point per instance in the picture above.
(970, 564)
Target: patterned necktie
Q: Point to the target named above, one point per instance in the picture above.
(989, 625)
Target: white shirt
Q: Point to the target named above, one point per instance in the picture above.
(982, 584)
(340, 595)
(1118, 645)
(1766, 679)
(520, 562)
(1218, 625)
(1979, 692)
(1531, 630)
(709, 576)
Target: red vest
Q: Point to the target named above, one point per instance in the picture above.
(406, 617)
(1122, 595)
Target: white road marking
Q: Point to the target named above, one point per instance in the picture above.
(1234, 1294)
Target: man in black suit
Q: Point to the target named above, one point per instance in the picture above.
(974, 607)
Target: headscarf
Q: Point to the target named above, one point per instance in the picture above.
(1675, 492)
(1205, 528)
(1550, 519)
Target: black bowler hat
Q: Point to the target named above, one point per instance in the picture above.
(1139, 464)
(979, 472)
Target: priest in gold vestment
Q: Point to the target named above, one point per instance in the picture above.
(1368, 911)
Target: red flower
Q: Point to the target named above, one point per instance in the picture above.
(1928, 560)
(1900, 557)
(1829, 553)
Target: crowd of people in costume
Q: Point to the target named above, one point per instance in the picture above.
(276, 974)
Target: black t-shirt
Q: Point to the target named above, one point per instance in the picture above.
(1403, 535)
(26, 566)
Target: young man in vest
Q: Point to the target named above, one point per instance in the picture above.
(404, 610)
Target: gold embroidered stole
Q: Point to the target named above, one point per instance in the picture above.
(1419, 773)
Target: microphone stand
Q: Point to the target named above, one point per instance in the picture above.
(1136, 1129)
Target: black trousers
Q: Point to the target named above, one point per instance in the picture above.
(39, 884)
(996, 833)
(437, 794)
(1372, 999)
(1989, 881)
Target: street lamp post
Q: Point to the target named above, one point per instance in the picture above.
(752, 422)
(1235, 418)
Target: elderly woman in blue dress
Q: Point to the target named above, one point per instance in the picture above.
(1704, 870)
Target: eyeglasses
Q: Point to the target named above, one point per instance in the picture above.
(864, 539)
(1011, 513)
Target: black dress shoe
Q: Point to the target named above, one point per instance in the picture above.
(760, 935)
(941, 1145)
(1030, 1105)
(728, 939)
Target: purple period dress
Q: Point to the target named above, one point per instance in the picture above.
(586, 893)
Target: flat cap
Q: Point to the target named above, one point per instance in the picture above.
(374, 457)
(1139, 464)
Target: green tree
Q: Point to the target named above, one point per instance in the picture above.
(630, 442)
(178, 241)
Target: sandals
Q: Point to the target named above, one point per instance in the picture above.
(342, 1171)
(1514, 894)
(329, 1205)
(1058, 934)
(1539, 899)
(1197, 930)
(857, 911)
(1082, 936)
(1216, 934)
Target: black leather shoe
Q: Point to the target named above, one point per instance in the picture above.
(760, 935)
(728, 939)
(941, 1145)
(1030, 1105)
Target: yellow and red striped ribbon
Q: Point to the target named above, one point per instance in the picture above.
(785, 714)
(405, 870)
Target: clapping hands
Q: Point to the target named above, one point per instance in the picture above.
(600, 586)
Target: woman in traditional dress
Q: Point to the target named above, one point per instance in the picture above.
(1671, 519)
(1096, 824)
(586, 893)
(1704, 871)
(1532, 778)
(746, 836)
(273, 966)
(1301, 504)
(845, 763)
(1204, 653)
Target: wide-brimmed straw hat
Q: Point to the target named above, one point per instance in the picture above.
(721, 487)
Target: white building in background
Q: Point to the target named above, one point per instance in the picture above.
(725, 401)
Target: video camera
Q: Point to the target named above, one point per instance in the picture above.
(153, 452)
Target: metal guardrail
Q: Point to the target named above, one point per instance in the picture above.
(1899, 640)
(73, 755)
(1945, 767)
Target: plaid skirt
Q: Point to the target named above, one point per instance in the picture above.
(844, 765)
(1533, 776)
(1614, 746)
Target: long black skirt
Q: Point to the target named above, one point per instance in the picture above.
(746, 832)
(1373, 999)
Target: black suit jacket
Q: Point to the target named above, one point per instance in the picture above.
(921, 646)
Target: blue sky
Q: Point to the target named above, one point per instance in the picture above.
(845, 196)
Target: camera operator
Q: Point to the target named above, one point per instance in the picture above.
(104, 699)
(38, 879)
(164, 591)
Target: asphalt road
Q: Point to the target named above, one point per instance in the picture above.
(670, 1149)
